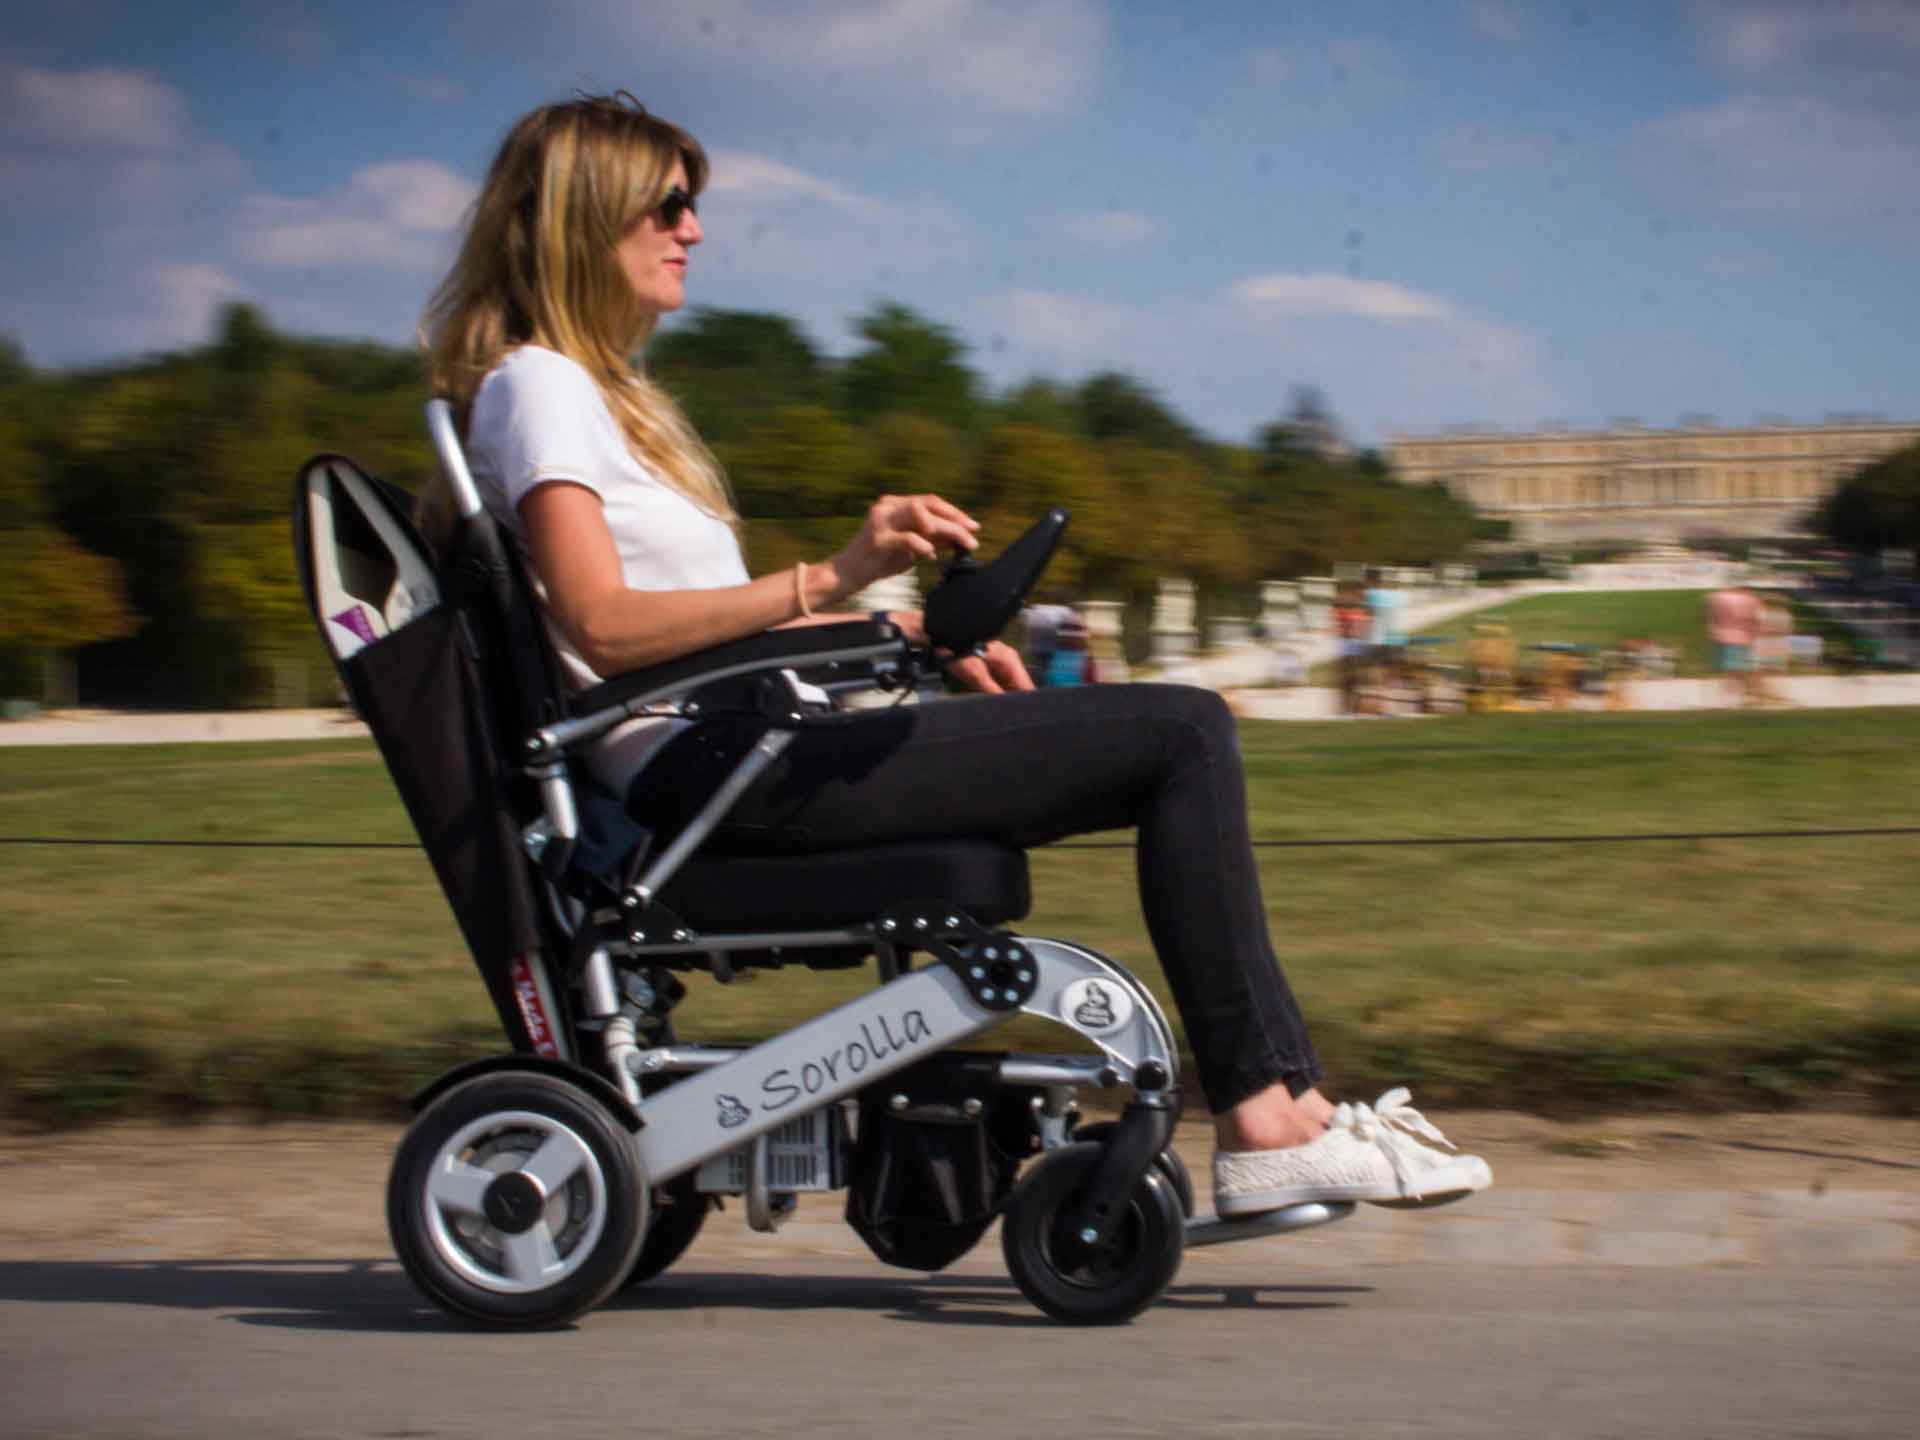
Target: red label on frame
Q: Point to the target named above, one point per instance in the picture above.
(526, 994)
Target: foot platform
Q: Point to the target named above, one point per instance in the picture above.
(1212, 1230)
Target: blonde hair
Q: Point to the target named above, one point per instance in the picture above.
(538, 266)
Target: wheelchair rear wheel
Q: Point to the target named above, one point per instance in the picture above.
(517, 1201)
(1107, 1285)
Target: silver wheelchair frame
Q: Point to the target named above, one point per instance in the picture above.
(525, 1191)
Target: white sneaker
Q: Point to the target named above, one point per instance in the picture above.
(1386, 1153)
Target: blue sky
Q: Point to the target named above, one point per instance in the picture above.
(1491, 211)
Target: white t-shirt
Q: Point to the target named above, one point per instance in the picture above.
(538, 417)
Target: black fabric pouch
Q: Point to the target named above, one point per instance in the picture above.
(928, 1177)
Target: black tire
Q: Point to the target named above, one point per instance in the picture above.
(679, 1211)
(527, 1255)
(1117, 1281)
(1169, 1164)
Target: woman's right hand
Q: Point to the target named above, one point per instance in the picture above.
(900, 531)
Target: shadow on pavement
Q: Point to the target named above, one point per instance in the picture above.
(329, 1294)
(375, 1295)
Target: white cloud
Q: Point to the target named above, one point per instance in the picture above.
(1387, 356)
(105, 141)
(1798, 155)
(1109, 229)
(185, 297)
(1761, 35)
(955, 63)
(1328, 294)
(396, 215)
(102, 108)
(758, 180)
(770, 221)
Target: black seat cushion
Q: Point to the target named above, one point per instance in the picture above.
(732, 894)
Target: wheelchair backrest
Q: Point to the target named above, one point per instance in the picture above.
(423, 654)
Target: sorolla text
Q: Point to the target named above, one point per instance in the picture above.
(877, 1039)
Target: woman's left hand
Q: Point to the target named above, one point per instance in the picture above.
(996, 669)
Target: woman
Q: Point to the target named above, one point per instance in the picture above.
(578, 244)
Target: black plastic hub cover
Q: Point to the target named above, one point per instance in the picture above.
(514, 1202)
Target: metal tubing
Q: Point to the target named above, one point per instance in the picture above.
(620, 1049)
(598, 991)
(763, 754)
(446, 444)
(771, 940)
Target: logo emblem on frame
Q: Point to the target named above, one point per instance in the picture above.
(1096, 1006)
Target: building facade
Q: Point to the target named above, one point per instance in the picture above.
(1657, 486)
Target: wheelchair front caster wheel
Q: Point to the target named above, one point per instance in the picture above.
(1108, 1285)
(1168, 1162)
(679, 1210)
(517, 1201)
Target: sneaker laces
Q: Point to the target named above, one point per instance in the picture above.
(1398, 1130)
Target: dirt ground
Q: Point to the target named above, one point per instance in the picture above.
(316, 1190)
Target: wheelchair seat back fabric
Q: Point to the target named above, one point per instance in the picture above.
(420, 658)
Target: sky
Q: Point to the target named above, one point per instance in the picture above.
(1436, 212)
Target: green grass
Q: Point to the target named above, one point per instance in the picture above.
(1553, 977)
(1597, 618)
(1602, 619)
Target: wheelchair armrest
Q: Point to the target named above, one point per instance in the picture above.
(832, 649)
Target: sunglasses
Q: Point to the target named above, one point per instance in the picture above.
(676, 203)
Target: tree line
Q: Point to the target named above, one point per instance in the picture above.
(1877, 507)
(143, 507)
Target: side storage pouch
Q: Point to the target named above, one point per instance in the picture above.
(419, 694)
(928, 1177)
(408, 660)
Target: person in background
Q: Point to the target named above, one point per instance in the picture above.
(1387, 609)
(1071, 662)
(1733, 627)
(1772, 650)
(1043, 622)
(1352, 628)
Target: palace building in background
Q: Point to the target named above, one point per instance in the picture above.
(1560, 486)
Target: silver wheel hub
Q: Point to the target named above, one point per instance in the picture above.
(515, 1202)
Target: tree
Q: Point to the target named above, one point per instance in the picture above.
(244, 341)
(799, 461)
(1112, 406)
(1045, 403)
(1023, 471)
(729, 369)
(13, 362)
(910, 366)
(1878, 507)
(56, 597)
(912, 454)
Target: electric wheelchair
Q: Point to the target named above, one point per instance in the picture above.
(532, 1185)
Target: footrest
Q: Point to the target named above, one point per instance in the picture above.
(1211, 1230)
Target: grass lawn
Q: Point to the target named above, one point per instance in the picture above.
(1555, 977)
(1600, 618)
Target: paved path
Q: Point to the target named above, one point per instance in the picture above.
(1689, 1276)
(1274, 1347)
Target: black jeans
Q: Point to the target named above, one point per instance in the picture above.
(1027, 769)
